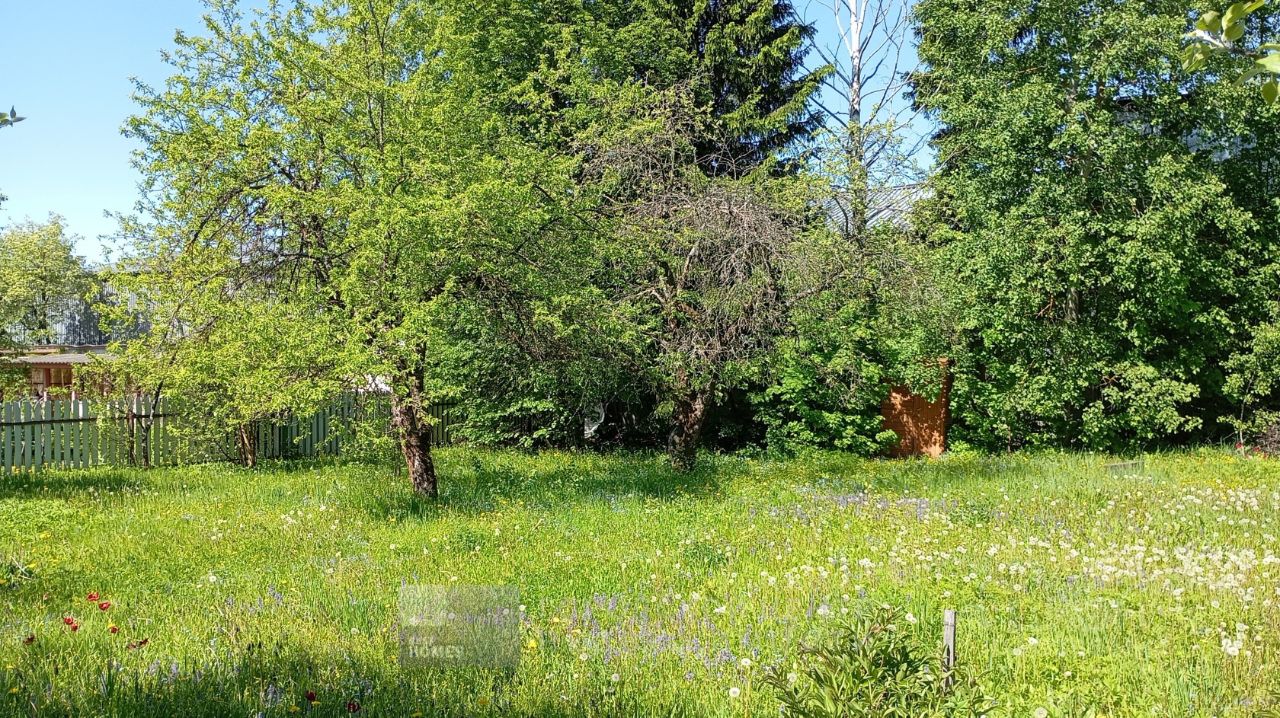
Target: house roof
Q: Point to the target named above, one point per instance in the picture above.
(885, 205)
(66, 355)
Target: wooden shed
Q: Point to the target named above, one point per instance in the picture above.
(921, 424)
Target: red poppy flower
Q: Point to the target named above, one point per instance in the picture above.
(113, 628)
(31, 638)
(353, 707)
(104, 605)
(68, 620)
(311, 696)
(75, 627)
(93, 596)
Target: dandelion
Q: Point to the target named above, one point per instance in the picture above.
(910, 618)
(583, 656)
(615, 678)
(1031, 641)
(735, 692)
(1042, 712)
(746, 662)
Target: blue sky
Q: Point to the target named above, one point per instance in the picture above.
(67, 68)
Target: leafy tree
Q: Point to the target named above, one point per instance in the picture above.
(713, 265)
(1106, 268)
(1253, 380)
(1228, 33)
(574, 365)
(230, 357)
(353, 162)
(41, 277)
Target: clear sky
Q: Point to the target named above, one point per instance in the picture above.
(67, 67)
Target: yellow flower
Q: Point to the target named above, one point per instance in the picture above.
(13, 691)
(416, 714)
(482, 701)
(532, 644)
(294, 709)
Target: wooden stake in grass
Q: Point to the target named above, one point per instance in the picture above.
(948, 648)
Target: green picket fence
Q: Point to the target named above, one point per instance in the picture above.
(80, 433)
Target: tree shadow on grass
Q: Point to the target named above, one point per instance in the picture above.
(278, 678)
(477, 481)
(70, 483)
(472, 481)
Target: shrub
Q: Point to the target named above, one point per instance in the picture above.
(877, 666)
(1269, 440)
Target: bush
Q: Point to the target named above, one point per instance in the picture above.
(1269, 440)
(876, 666)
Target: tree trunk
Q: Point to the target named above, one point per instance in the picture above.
(414, 435)
(687, 419)
(248, 452)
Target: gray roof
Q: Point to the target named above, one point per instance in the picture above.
(82, 355)
(891, 205)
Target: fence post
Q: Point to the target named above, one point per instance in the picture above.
(948, 648)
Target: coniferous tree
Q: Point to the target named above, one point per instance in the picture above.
(747, 63)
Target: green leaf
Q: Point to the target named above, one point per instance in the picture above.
(1271, 91)
(1270, 63)
(1234, 32)
(1209, 22)
(1234, 14)
(1247, 75)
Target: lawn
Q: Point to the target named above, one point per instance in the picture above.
(1079, 590)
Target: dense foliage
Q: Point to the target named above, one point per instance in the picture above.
(613, 223)
(1108, 229)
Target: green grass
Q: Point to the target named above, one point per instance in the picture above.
(1077, 590)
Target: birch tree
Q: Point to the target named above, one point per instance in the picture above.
(869, 145)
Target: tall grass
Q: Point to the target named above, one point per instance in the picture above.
(1079, 591)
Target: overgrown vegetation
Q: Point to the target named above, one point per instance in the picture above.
(1078, 590)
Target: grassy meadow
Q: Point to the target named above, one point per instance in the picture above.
(1080, 591)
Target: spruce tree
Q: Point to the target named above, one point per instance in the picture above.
(747, 65)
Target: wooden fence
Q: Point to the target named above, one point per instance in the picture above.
(67, 434)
